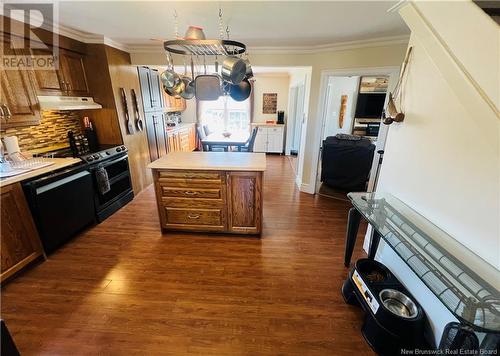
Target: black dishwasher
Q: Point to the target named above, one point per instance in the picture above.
(62, 204)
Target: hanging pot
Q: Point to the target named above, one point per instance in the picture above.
(188, 92)
(241, 91)
(248, 71)
(176, 90)
(169, 78)
(233, 69)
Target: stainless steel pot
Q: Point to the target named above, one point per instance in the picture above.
(248, 71)
(169, 78)
(233, 69)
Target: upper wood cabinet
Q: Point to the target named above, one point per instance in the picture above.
(19, 237)
(50, 81)
(18, 102)
(74, 73)
(68, 80)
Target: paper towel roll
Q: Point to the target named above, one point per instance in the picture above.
(11, 145)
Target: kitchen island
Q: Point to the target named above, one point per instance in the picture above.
(210, 191)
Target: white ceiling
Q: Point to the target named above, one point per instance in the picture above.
(256, 23)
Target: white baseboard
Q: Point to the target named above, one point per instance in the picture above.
(306, 188)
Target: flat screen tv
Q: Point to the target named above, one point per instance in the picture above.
(370, 105)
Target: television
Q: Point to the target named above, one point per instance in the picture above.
(370, 105)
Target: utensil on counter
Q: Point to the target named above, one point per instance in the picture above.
(139, 124)
(130, 125)
(233, 69)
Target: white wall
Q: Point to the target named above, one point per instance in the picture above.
(270, 83)
(338, 86)
(444, 159)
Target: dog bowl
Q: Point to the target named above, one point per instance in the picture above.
(372, 271)
(398, 303)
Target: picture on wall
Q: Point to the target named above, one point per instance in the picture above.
(269, 103)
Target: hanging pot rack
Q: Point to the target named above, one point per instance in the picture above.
(205, 47)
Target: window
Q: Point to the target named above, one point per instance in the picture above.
(225, 114)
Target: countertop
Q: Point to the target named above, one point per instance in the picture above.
(266, 124)
(58, 163)
(180, 126)
(211, 161)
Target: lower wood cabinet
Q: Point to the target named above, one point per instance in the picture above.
(182, 138)
(210, 201)
(19, 238)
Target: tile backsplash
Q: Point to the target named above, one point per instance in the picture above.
(52, 130)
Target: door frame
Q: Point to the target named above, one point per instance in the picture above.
(391, 71)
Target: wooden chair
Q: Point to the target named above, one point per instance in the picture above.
(250, 143)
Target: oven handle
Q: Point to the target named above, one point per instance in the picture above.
(105, 164)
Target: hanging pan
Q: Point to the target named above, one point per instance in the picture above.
(241, 91)
(207, 86)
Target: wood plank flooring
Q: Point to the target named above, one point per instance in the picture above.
(123, 288)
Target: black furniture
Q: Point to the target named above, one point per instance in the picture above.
(346, 162)
(7, 345)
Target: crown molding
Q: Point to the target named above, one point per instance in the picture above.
(87, 37)
(339, 46)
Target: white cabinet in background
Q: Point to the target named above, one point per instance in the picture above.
(269, 138)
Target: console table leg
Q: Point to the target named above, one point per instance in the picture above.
(373, 244)
(352, 233)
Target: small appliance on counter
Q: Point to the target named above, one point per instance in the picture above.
(393, 320)
(173, 119)
(281, 117)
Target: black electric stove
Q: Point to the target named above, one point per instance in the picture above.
(112, 158)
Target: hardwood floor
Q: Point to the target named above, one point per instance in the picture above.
(123, 288)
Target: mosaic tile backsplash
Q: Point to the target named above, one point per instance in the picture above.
(52, 130)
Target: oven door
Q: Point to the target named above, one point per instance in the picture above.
(119, 181)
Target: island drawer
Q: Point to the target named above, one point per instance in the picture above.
(186, 216)
(180, 192)
(190, 175)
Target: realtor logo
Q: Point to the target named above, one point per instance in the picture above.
(29, 39)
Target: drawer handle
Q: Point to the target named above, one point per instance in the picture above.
(193, 216)
(190, 193)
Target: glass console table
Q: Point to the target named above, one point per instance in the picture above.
(432, 255)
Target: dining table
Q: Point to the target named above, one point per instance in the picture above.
(217, 139)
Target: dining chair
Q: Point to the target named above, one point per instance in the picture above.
(206, 130)
(250, 142)
(201, 134)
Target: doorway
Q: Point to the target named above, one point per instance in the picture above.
(337, 108)
(296, 120)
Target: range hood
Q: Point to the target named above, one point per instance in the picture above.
(67, 103)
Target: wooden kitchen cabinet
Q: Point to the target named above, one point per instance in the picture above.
(20, 242)
(73, 72)
(18, 102)
(68, 80)
(182, 138)
(210, 192)
(244, 202)
(173, 103)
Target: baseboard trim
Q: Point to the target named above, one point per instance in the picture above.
(306, 188)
